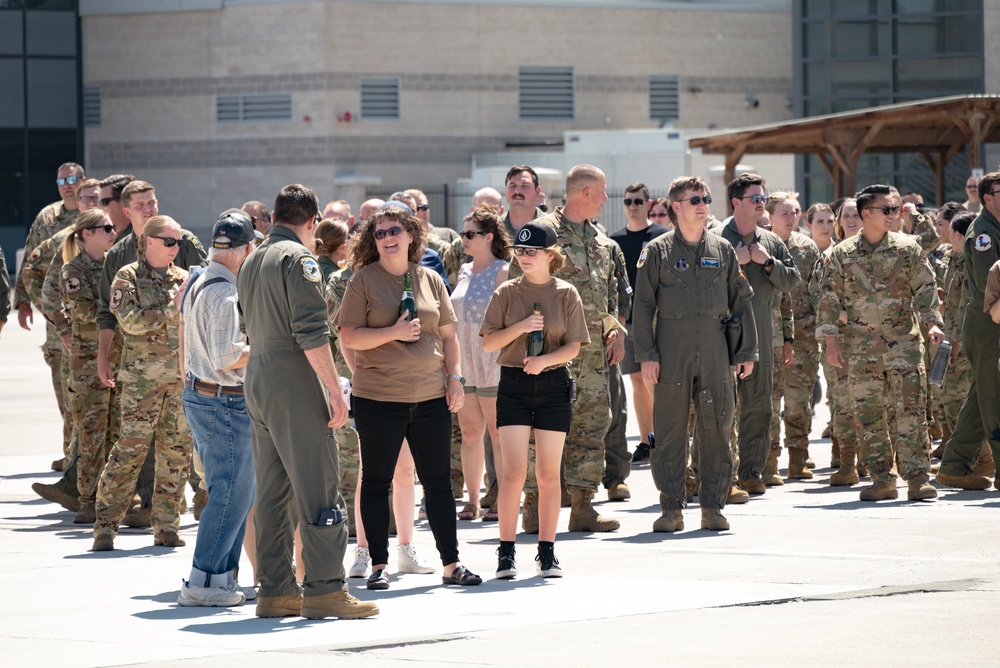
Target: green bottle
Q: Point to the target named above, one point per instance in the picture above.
(407, 303)
(536, 340)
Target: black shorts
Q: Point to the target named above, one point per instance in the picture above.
(541, 401)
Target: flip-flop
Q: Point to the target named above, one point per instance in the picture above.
(470, 512)
(462, 576)
(491, 515)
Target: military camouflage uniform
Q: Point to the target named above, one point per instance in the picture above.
(783, 327)
(617, 459)
(881, 288)
(4, 288)
(151, 388)
(96, 408)
(958, 378)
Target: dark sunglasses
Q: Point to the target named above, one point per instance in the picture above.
(423, 207)
(471, 235)
(659, 215)
(393, 231)
(169, 242)
(261, 221)
(638, 201)
(707, 199)
(107, 227)
(105, 201)
(756, 199)
(890, 210)
(69, 180)
(530, 252)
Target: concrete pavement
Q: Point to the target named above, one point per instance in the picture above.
(807, 575)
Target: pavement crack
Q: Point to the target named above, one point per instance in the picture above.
(880, 592)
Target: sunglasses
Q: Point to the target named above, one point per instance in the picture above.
(970, 187)
(68, 181)
(107, 227)
(756, 199)
(168, 242)
(638, 201)
(105, 201)
(393, 231)
(707, 199)
(261, 221)
(423, 207)
(88, 199)
(472, 235)
(530, 252)
(891, 210)
(659, 215)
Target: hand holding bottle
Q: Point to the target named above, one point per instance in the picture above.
(406, 330)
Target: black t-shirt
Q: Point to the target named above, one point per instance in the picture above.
(632, 244)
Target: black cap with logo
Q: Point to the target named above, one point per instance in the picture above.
(233, 229)
(534, 235)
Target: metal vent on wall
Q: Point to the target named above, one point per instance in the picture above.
(253, 108)
(380, 99)
(545, 93)
(664, 98)
(92, 107)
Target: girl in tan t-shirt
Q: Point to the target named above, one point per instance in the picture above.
(534, 391)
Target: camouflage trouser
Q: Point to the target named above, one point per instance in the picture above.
(843, 424)
(617, 460)
(147, 411)
(957, 381)
(96, 410)
(890, 405)
(777, 393)
(349, 451)
(53, 352)
(800, 377)
(583, 455)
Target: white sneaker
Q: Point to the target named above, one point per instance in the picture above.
(249, 593)
(408, 561)
(219, 597)
(362, 563)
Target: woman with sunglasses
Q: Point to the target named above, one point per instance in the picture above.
(407, 381)
(535, 391)
(93, 405)
(485, 240)
(144, 299)
(659, 208)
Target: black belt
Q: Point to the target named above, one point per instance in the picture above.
(212, 390)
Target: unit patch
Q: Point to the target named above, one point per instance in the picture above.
(311, 270)
(681, 264)
(73, 284)
(984, 242)
(116, 299)
(642, 259)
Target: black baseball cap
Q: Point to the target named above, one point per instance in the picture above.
(534, 235)
(233, 229)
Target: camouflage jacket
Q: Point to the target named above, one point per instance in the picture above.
(78, 290)
(143, 302)
(52, 299)
(49, 220)
(924, 233)
(939, 261)
(955, 297)
(783, 322)
(807, 257)
(36, 267)
(881, 289)
(333, 290)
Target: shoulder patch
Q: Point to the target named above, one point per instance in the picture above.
(983, 243)
(710, 262)
(642, 258)
(311, 270)
(116, 299)
(73, 284)
(681, 264)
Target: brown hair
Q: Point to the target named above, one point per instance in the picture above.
(986, 185)
(365, 249)
(816, 208)
(153, 227)
(329, 236)
(678, 187)
(134, 188)
(83, 185)
(295, 205)
(838, 229)
(739, 186)
(73, 243)
(487, 219)
(776, 198)
(637, 187)
(556, 260)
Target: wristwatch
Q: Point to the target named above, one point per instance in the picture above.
(460, 379)
(769, 263)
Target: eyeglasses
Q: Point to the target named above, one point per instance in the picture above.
(90, 199)
(703, 199)
(890, 210)
(68, 181)
(151, 204)
(756, 199)
(107, 227)
(105, 201)
(393, 231)
(971, 187)
(637, 201)
(472, 234)
(262, 221)
(168, 242)
(423, 207)
(530, 252)
(659, 215)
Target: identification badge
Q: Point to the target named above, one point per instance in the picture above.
(642, 259)
(709, 263)
(311, 270)
(984, 242)
(681, 264)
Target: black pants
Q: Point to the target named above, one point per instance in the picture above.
(426, 425)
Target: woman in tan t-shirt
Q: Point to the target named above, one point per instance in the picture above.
(407, 382)
(536, 390)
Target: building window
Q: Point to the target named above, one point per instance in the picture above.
(253, 108)
(545, 93)
(380, 99)
(92, 107)
(664, 98)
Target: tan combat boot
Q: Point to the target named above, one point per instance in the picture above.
(691, 486)
(919, 489)
(771, 476)
(753, 486)
(566, 500)
(167, 539)
(985, 466)
(87, 515)
(55, 495)
(103, 543)
(200, 501)
(810, 464)
(279, 606)
(338, 604)
(669, 521)
(737, 495)
(969, 481)
(797, 469)
(713, 520)
(618, 491)
(835, 454)
(529, 516)
(880, 491)
(583, 517)
(847, 474)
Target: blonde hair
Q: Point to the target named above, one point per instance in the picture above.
(83, 185)
(152, 228)
(73, 243)
(556, 259)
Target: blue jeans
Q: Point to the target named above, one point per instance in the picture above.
(221, 429)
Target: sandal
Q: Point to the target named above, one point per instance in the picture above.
(491, 515)
(470, 512)
(462, 576)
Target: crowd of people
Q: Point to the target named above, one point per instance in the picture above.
(307, 367)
